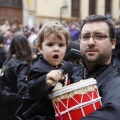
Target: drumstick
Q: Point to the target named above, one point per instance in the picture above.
(65, 69)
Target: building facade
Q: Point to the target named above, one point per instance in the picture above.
(11, 10)
(30, 12)
(46, 10)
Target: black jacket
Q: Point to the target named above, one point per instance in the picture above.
(12, 86)
(2, 56)
(108, 82)
(38, 106)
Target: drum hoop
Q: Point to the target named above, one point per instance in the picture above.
(72, 88)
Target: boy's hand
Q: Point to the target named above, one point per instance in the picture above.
(53, 77)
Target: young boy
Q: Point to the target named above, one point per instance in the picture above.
(53, 40)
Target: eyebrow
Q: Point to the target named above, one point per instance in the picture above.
(94, 33)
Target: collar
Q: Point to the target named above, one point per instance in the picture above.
(95, 72)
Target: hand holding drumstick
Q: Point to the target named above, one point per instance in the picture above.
(53, 77)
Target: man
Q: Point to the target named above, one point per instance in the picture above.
(97, 41)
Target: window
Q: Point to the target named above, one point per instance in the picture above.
(11, 3)
(11, 10)
(108, 6)
(75, 8)
(92, 7)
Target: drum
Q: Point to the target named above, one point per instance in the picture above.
(77, 100)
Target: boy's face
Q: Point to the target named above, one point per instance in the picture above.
(53, 49)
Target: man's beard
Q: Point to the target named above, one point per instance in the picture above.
(98, 60)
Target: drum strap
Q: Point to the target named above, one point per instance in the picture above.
(66, 79)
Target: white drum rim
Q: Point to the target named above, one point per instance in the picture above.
(83, 84)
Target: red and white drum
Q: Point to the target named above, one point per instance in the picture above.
(77, 100)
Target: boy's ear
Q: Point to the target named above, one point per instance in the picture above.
(40, 50)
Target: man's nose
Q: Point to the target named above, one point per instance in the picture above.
(91, 40)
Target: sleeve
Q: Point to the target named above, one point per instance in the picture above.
(107, 112)
(37, 87)
(110, 109)
(21, 71)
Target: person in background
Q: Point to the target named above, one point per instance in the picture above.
(53, 40)
(74, 32)
(5, 27)
(116, 51)
(3, 52)
(3, 56)
(14, 80)
(108, 15)
(73, 53)
(31, 39)
(97, 41)
(8, 38)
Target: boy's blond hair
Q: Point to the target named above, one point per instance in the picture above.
(57, 28)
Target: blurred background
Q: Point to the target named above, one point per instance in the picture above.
(27, 16)
(36, 12)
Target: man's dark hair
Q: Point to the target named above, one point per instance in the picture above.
(100, 18)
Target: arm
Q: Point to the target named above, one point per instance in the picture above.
(37, 87)
(110, 109)
(21, 71)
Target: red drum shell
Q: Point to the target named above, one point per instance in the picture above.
(77, 100)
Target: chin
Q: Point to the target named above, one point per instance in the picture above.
(91, 60)
(54, 64)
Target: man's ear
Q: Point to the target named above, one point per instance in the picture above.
(113, 43)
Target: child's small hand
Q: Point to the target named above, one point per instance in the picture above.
(53, 77)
